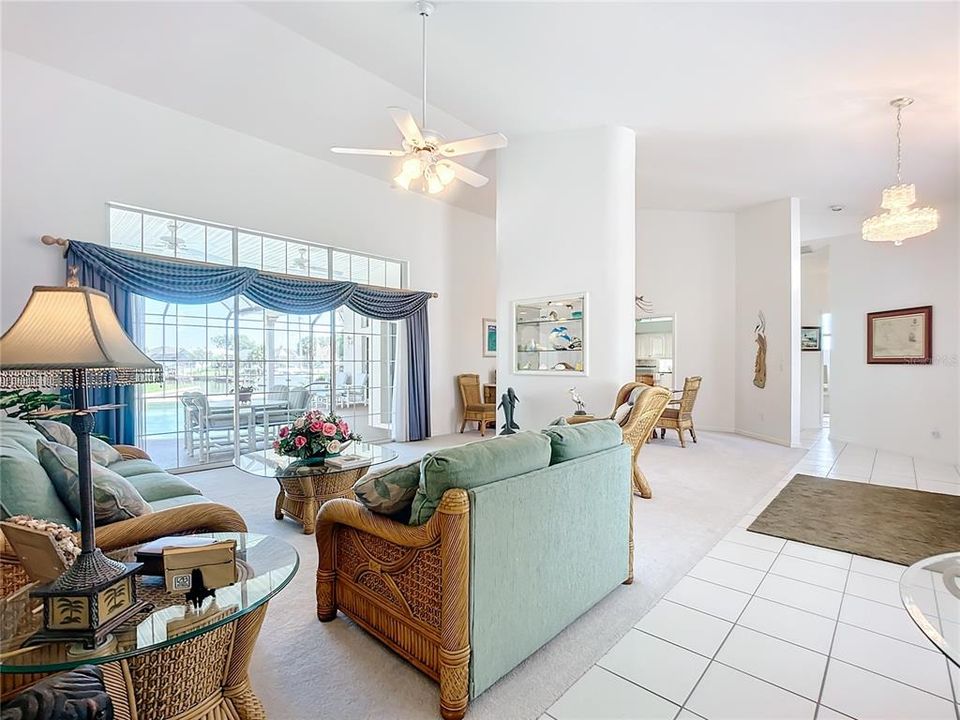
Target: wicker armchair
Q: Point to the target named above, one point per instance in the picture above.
(474, 409)
(406, 585)
(640, 423)
(184, 520)
(680, 417)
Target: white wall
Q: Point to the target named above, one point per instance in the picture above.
(472, 265)
(768, 279)
(70, 145)
(814, 301)
(686, 268)
(566, 224)
(896, 407)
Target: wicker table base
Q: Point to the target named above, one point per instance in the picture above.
(301, 496)
(203, 678)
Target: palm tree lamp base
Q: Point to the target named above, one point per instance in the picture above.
(87, 602)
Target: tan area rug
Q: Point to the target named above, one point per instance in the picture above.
(886, 523)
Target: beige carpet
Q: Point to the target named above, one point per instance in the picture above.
(898, 525)
(335, 671)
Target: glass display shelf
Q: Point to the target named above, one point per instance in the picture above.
(549, 335)
(549, 322)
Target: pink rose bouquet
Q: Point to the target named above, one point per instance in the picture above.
(314, 434)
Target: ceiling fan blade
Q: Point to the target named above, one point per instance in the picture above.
(408, 126)
(493, 141)
(367, 151)
(462, 172)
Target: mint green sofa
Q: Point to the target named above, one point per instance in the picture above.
(505, 562)
(177, 507)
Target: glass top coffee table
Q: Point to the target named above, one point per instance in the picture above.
(306, 485)
(930, 590)
(172, 657)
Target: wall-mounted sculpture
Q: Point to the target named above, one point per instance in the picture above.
(760, 364)
(644, 305)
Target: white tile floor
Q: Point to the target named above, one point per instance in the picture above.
(768, 629)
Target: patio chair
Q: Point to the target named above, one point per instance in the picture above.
(295, 402)
(343, 382)
(191, 422)
(220, 420)
(357, 392)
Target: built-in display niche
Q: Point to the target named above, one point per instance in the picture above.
(550, 335)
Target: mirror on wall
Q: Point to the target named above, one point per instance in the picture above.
(655, 350)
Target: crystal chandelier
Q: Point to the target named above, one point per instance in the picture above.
(900, 221)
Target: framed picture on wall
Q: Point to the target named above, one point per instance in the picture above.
(810, 338)
(903, 337)
(489, 337)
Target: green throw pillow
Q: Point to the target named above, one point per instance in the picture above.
(25, 488)
(100, 452)
(389, 491)
(476, 464)
(20, 433)
(573, 441)
(114, 498)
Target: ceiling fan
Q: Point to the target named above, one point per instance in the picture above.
(427, 164)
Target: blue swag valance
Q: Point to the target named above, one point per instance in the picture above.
(195, 284)
(121, 273)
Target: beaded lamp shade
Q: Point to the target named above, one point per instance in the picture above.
(70, 336)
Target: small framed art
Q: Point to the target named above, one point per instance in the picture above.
(489, 337)
(902, 337)
(810, 338)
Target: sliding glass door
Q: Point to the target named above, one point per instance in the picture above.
(234, 371)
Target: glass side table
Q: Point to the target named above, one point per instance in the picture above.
(170, 660)
(930, 590)
(304, 487)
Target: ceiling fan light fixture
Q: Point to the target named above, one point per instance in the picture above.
(901, 221)
(433, 181)
(424, 166)
(445, 173)
(412, 167)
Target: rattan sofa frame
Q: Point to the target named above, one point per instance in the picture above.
(408, 586)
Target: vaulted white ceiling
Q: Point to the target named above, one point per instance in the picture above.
(733, 103)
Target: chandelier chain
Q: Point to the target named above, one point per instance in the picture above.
(899, 142)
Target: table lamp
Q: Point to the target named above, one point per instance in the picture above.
(69, 337)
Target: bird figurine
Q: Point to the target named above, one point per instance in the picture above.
(578, 401)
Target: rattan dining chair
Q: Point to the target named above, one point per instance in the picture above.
(679, 415)
(474, 409)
